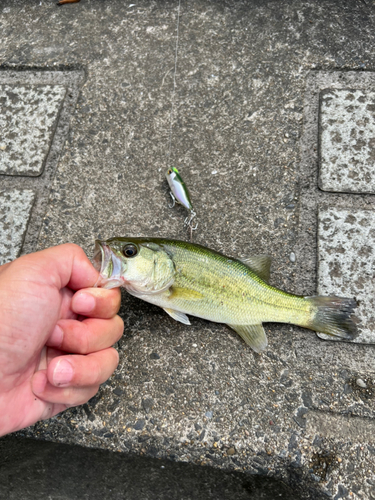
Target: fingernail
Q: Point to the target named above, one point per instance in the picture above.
(63, 373)
(83, 303)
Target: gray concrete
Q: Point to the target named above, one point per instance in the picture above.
(245, 135)
(346, 267)
(28, 117)
(316, 245)
(33, 470)
(28, 134)
(347, 141)
(15, 210)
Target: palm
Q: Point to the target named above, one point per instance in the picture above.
(26, 327)
(36, 294)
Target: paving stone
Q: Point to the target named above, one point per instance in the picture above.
(48, 84)
(28, 118)
(346, 257)
(347, 141)
(15, 210)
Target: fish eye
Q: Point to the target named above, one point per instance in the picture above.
(130, 250)
(169, 172)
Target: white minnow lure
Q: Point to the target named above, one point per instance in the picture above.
(180, 193)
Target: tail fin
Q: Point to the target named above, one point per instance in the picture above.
(332, 315)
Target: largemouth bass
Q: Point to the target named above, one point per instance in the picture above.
(185, 278)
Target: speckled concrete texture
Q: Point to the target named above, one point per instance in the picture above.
(346, 267)
(34, 130)
(15, 209)
(28, 117)
(313, 199)
(247, 88)
(347, 141)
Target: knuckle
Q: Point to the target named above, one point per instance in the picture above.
(73, 248)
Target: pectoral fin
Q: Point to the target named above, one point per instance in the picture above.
(178, 316)
(253, 335)
(260, 265)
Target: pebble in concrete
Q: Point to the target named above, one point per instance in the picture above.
(28, 118)
(346, 256)
(347, 141)
(15, 209)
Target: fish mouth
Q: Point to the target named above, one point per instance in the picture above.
(109, 265)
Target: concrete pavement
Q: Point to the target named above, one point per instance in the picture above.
(269, 117)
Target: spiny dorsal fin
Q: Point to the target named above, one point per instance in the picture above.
(253, 335)
(260, 265)
(178, 316)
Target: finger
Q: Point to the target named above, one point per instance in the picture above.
(3, 267)
(61, 397)
(65, 307)
(60, 266)
(81, 371)
(89, 335)
(97, 302)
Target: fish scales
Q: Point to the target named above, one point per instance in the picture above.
(185, 278)
(232, 293)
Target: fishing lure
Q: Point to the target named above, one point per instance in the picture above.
(180, 194)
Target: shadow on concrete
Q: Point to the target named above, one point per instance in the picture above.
(31, 469)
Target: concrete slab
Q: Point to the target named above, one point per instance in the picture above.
(28, 118)
(15, 210)
(346, 262)
(35, 113)
(347, 141)
(315, 200)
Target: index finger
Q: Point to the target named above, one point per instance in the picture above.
(60, 266)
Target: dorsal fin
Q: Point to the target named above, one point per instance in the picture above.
(260, 265)
(253, 335)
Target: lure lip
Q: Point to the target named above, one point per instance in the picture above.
(109, 265)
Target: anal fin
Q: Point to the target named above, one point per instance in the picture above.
(178, 316)
(253, 335)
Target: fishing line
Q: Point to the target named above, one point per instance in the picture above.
(188, 221)
(174, 79)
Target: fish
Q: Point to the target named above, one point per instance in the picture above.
(179, 191)
(189, 279)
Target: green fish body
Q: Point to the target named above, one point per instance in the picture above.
(185, 278)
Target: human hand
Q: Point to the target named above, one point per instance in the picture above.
(55, 335)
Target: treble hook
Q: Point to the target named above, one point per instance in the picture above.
(173, 199)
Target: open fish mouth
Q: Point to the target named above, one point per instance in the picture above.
(109, 265)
